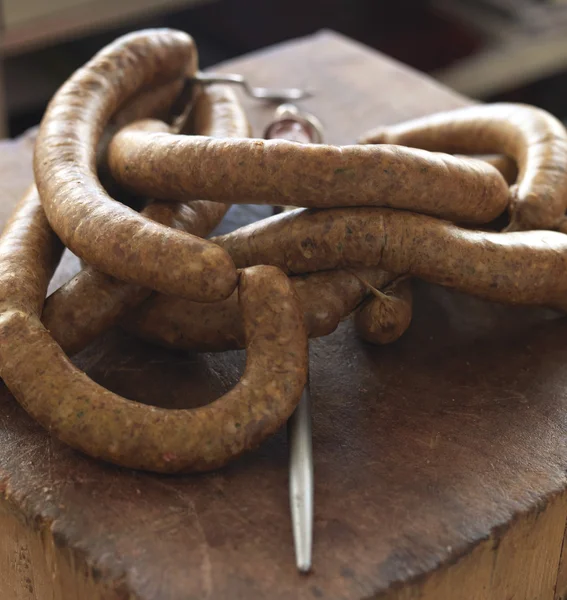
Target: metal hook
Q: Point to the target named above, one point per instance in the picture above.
(259, 93)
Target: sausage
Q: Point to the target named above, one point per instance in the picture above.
(104, 425)
(524, 267)
(505, 165)
(326, 298)
(156, 102)
(536, 140)
(385, 316)
(218, 114)
(92, 301)
(107, 235)
(281, 172)
(29, 255)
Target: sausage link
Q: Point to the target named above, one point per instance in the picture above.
(92, 301)
(107, 235)
(326, 298)
(29, 255)
(536, 140)
(156, 103)
(386, 315)
(104, 425)
(504, 164)
(92, 419)
(281, 172)
(525, 267)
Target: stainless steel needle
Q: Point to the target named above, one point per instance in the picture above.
(292, 124)
(301, 481)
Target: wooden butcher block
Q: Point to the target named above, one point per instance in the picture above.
(440, 461)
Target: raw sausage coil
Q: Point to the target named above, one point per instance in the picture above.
(536, 140)
(94, 420)
(92, 301)
(326, 298)
(107, 235)
(524, 267)
(280, 172)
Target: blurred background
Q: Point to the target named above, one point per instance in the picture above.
(489, 49)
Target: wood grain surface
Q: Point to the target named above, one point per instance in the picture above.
(440, 460)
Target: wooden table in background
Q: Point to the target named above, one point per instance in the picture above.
(440, 461)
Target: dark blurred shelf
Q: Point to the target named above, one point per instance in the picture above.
(523, 43)
(35, 24)
(407, 30)
(483, 60)
(32, 78)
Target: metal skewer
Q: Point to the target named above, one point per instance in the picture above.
(260, 93)
(301, 481)
(294, 125)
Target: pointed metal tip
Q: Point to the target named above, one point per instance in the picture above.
(304, 567)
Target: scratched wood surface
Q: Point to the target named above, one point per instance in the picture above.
(440, 461)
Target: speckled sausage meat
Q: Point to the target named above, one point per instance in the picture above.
(104, 425)
(536, 140)
(92, 301)
(525, 267)
(107, 235)
(326, 298)
(385, 316)
(281, 172)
